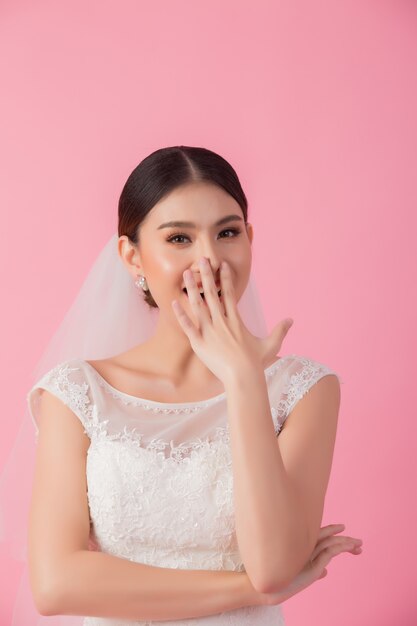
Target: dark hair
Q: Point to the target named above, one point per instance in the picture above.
(163, 171)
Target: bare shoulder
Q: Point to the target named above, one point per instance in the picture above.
(125, 372)
(129, 360)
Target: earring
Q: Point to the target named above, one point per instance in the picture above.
(141, 282)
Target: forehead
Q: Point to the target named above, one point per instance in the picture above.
(199, 202)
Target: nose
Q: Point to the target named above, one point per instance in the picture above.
(214, 263)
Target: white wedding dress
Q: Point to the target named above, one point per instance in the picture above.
(159, 475)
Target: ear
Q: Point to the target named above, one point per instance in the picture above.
(129, 253)
(249, 230)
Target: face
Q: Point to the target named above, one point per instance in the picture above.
(165, 251)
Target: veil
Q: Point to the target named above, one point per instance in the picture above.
(108, 316)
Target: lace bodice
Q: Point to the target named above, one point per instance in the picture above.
(159, 475)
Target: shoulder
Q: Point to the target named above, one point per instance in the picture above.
(61, 374)
(316, 376)
(312, 403)
(126, 373)
(313, 378)
(129, 362)
(118, 373)
(300, 377)
(105, 367)
(304, 371)
(68, 382)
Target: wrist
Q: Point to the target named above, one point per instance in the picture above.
(242, 373)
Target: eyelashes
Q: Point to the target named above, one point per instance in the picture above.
(235, 231)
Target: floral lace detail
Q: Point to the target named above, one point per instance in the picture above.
(77, 397)
(295, 386)
(74, 395)
(153, 510)
(159, 446)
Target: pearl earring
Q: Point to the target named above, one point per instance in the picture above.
(141, 282)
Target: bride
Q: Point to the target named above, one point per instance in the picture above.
(166, 343)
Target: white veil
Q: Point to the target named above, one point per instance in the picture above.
(108, 316)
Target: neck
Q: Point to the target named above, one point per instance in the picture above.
(169, 354)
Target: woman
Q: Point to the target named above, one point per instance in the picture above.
(183, 479)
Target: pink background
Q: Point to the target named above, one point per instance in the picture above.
(314, 104)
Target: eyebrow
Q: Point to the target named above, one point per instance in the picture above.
(181, 224)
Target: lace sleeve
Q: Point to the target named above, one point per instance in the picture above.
(66, 381)
(300, 377)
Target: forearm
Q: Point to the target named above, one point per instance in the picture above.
(101, 585)
(270, 525)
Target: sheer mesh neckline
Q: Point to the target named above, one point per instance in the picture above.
(268, 370)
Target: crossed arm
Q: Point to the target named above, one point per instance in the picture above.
(279, 482)
(271, 476)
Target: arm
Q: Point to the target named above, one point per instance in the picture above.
(96, 584)
(231, 590)
(279, 483)
(101, 585)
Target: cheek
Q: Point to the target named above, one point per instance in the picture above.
(241, 264)
(163, 263)
(165, 273)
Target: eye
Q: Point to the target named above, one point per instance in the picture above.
(235, 231)
(177, 236)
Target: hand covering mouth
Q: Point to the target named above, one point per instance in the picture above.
(219, 292)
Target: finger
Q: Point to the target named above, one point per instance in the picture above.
(326, 556)
(212, 300)
(331, 529)
(348, 544)
(198, 307)
(347, 541)
(326, 543)
(277, 335)
(228, 293)
(347, 547)
(184, 321)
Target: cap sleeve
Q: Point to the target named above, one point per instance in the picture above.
(298, 379)
(67, 382)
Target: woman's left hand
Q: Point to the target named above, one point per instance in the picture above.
(220, 338)
(327, 547)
